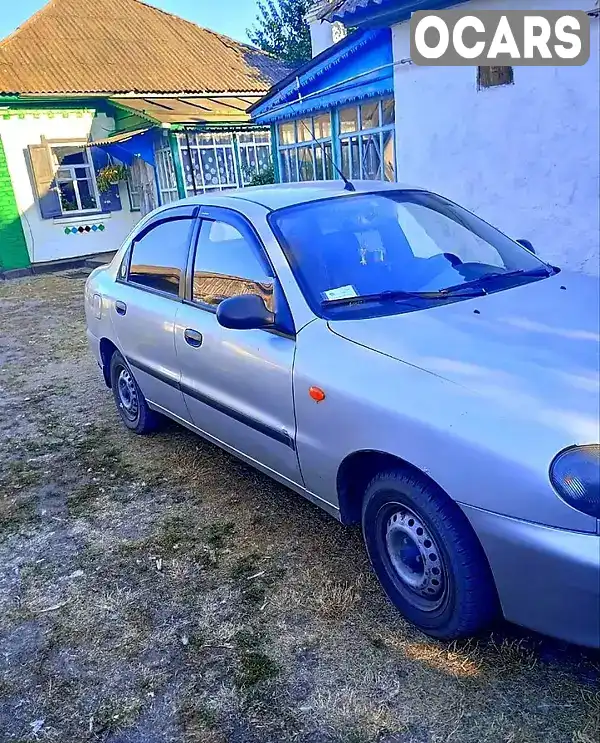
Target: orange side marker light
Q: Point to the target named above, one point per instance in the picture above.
(317, 394)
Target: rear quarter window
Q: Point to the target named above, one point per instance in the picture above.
(159, 257)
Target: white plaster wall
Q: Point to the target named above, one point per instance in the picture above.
(46, 239)
(525, 156)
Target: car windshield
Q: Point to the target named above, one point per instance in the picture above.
(395, 246)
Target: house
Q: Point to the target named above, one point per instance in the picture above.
(337, 112)
(90, 86)
(519, 146)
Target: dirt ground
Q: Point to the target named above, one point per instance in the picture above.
(156, 590)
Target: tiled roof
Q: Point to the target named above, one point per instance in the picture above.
(326, 8)
(348, 7)
(381, 12)
(124, 46)
(320, 9)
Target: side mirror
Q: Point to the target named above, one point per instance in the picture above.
(245, 312)
(527, 244)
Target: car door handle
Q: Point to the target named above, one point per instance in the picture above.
(193, 338)
(121, 308)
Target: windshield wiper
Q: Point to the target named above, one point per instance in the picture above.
(535, 273)
(397, 295)
(466, 290)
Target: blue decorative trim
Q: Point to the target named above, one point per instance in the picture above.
(359, 40)
(341, 97)
(312, 72)
(358, 69)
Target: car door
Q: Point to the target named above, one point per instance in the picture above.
(237, 384)
(150, 288)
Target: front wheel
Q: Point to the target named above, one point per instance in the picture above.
(427, 556)
(130, 401)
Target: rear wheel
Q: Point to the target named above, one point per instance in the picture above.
(427, 556)
(130, 401)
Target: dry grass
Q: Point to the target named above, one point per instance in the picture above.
(155, 590)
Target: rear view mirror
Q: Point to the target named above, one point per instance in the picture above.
(526, 244)
(245, 312)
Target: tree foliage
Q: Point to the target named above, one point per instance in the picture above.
(281, 30)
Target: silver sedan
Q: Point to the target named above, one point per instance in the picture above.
(397, 361)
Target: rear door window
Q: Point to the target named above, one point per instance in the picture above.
(159, 256)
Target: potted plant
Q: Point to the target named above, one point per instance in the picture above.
(109, 176)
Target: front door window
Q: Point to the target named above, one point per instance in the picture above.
(227, 265)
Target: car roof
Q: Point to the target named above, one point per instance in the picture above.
(279, 195)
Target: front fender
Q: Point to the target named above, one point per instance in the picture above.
(475, 453)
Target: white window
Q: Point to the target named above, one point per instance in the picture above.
(367, 134)
(305, 149)
(75, 178)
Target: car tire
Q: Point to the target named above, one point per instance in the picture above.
(426, 556)
(130, 401)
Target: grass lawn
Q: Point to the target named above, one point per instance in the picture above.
(156, 590)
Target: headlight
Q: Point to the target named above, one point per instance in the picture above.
(575, 475)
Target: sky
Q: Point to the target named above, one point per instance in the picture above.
(230, 17)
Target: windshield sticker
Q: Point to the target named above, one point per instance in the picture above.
(343, 292)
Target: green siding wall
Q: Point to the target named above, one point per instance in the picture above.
(13, 248)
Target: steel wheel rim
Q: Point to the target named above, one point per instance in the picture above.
(414, 557)
(128, 395)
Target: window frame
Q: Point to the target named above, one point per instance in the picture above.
(314, 143)
(177, 214)
(91, 178)
(288, 154)
(284, 323)
(361, 133)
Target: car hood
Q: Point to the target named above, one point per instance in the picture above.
(532, 349)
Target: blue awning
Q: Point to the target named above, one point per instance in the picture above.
(128, 145)
(357, 68)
